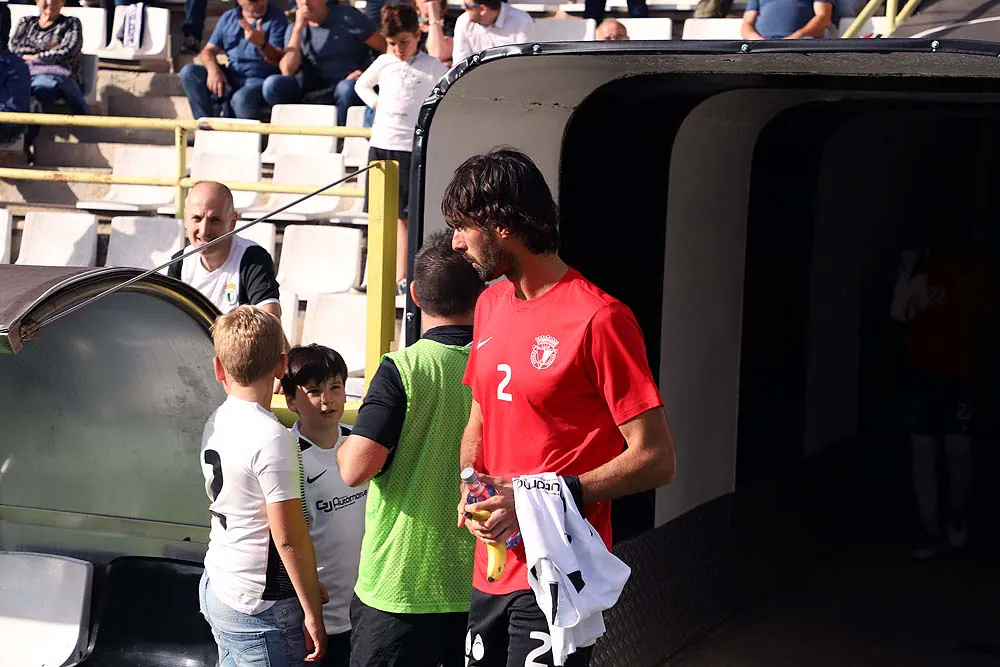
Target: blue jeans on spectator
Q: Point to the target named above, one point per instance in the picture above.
(281, 89)
(49, 88)
(242, 98)
(194, 18)
(594, 9)
(273, 637)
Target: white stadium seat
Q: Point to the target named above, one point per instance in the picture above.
(143, 243)
(222, 141)
(355, 148)
(322, 115)
(563, 30)
(58, 239)
(316, 259)
(293, 170)
(136, 160)
(155, 36)
(224, 167)
(339, 322)
(263, 234)
(648, 29)
(4, 236)
(712, 28)
(44, 608)
(352, 209)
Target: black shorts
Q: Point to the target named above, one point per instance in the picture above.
(511, 631)
(338, 650)
(937, 405)
(403, 158)
(384, 639)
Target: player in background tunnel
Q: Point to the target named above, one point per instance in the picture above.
(944, 296)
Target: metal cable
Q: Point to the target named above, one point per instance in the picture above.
(35, 326)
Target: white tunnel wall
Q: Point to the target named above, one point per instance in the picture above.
(703, 289)
(529, 111)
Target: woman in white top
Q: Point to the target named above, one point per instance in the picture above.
(405, 77)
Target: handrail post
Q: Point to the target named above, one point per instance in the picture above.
(904, 14)
(891, 10)
(383, 202)
(180, 142)
(859, 20)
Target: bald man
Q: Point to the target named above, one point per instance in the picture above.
(233, 272)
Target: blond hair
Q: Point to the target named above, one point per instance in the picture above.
(249, 343)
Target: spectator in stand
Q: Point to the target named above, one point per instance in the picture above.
(594, 9)
(233, 272)
(15, 81)
(251, 35)
(437, 29)
(405, 77)
(780, 19)
(611, 30)
(50, 44)
(489, 23)
(325, 50)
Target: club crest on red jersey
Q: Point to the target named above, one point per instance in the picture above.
(543, 354)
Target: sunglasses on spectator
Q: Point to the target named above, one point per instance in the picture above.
(472, 5)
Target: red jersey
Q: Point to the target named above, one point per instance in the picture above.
(554, 376)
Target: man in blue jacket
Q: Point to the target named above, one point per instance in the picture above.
(15, 81)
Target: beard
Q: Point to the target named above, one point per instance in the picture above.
(494, 260)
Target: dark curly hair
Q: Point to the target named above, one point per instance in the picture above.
(503, 189)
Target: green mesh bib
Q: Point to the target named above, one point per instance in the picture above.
(413, 558)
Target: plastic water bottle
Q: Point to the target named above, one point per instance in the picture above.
(480, 491)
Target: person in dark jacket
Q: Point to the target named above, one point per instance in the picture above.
(15, 81)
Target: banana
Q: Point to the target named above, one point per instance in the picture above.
(496, 553)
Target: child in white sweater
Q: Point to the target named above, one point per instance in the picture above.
(405, 77)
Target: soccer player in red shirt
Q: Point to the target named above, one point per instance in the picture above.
(560, 383)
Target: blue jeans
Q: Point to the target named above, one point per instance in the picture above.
(49, 88)
(594, 9)
(194, 18)
(281, 89)
(242, 98)
(272, 638)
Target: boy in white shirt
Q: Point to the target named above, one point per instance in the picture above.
(405, 77)
(314, 389)
(260, 592)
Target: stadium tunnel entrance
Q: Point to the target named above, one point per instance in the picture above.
(751, 205)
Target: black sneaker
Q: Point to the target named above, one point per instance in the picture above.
(191, 44)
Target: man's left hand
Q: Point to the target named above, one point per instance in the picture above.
(503, 519)
(353, 76)
(253, 33)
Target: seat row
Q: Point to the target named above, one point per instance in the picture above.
(318, 266)
(236, 157)
(642, 29)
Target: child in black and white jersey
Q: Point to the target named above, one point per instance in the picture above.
(260, 591)
(314, 389)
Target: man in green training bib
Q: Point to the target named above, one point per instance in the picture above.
(411, 602)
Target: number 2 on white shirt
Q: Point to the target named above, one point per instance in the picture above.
(501, 393)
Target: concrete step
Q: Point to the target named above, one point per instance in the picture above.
(173, 106)
(139, 84)
(100, 155)
(50, 194)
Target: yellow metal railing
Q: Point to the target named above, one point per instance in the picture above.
(893, 18)
(383, 188)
